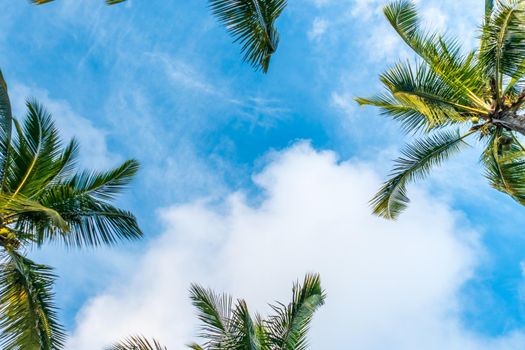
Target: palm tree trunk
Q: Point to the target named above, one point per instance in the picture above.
(510, 120)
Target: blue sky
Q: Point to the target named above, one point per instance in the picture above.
(164, 84)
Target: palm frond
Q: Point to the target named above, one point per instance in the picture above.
(91, 222)
(105, 185)
(417, 161)
(288, 328)
(28, 316)
(443, 55)
(252, 24)
(215, 312)
(505, 165)
(246, 331)
(37, 153)
(6, 124)
(137, 343)
(503, 43)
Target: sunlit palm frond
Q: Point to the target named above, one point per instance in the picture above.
(137, 343)
(287, 329)
(417, 161)
(443, 55)
(252, 24)
(28, 316)
(503, 44)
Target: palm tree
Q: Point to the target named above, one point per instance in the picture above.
(449, 95)
(43, 200)
(41, 2)
(252, 24)
(231, 327)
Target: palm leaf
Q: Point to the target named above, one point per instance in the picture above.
(288, 328)
(252, 24)
(505, 169)
(247, 333)
(137, 343)
(417, 161)
(442, 55)
(105, 185)
(28, 316)
(215, 312)
(503, 43)
(6, 123)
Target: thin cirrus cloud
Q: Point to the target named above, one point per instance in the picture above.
(390, 285)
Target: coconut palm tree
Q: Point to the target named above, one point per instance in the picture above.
(449, 95)
(44, 200)
(252, 24)
(226, 326)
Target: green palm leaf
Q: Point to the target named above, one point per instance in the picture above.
(137, 343)
(252, 24)
(503, 43)
(505, 166)
(215, 313)
(418, 160)
(28, 316)
(6, 123)
(442, 55)
(288, 328)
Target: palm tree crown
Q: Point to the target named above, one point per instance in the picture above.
(229, 326)
(449, 95)
(43, 200)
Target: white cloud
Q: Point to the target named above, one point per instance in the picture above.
(390, 284)
(94, 151)
(319, 27)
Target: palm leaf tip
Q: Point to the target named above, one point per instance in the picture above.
(137, 343)
(252, 24)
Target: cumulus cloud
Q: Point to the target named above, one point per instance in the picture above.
(390, 284)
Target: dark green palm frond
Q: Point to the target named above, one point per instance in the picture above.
(90, 222)
(489, 5)
(416, 163)
(443, 55)
(215, 312)
(287, 330)
(503, 43)
(37, 153)
(105, 185)
(504, 160)
(137, 343)
(252, 24)
(6, 124)
(247, 334)
(28, 316)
